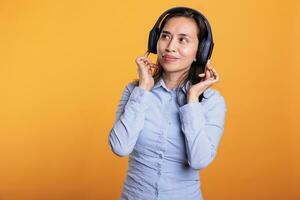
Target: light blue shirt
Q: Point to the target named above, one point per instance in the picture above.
(167, 144)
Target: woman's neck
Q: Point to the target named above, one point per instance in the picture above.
(171, 81)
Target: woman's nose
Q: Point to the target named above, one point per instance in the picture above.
(171, 46)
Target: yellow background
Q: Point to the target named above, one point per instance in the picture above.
(64, 64)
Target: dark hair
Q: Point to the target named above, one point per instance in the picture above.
(196, 68)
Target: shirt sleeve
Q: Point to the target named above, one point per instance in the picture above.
(202, 131)
(129, 120)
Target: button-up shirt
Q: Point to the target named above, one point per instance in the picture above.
(167, 143)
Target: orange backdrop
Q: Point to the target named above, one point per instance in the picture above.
(64, 64)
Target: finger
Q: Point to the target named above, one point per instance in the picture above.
(208, 64)
(211, 81)
(153, 66)
(148, 61)
(210, 67)
(215, 73)
(151, 69)
(143, 61)
(217, 77)
(207, 74)
(211, 73)
(140, 60)
(146, 54)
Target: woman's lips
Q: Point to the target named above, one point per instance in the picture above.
(168, 58)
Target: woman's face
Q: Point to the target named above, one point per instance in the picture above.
(177, 45)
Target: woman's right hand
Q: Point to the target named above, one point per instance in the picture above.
(145, 67)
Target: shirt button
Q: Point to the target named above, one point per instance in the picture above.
(159, 173)
(160, 156)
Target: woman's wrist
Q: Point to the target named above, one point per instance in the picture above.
(144, 87)
(192, 99)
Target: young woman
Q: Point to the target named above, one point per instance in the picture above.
(170, 121)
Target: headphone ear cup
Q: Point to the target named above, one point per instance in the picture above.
(152, 41)
(205, 52)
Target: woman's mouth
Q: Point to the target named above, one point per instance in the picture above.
(169, 58)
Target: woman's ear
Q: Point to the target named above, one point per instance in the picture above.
(195, 59)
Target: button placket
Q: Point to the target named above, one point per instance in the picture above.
(158, 165)
(156, 189)
(161, 155)
(171, 96)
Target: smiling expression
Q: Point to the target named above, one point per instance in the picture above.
(177, 45)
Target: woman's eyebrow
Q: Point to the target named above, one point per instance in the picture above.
(181, 34)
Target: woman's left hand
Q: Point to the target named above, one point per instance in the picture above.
(211, 77)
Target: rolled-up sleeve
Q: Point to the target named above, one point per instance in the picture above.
(202, 131)
(129, 120)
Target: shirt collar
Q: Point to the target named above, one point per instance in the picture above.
(161, 83)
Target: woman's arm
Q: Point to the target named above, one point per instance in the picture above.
(129, 121)
(202, 131)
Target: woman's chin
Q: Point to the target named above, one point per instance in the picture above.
(169, 64)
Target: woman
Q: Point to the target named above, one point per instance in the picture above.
(170, 121)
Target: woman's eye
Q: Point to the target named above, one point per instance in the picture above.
(165, 36)
(183, 40)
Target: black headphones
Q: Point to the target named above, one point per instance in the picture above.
(204, 51)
